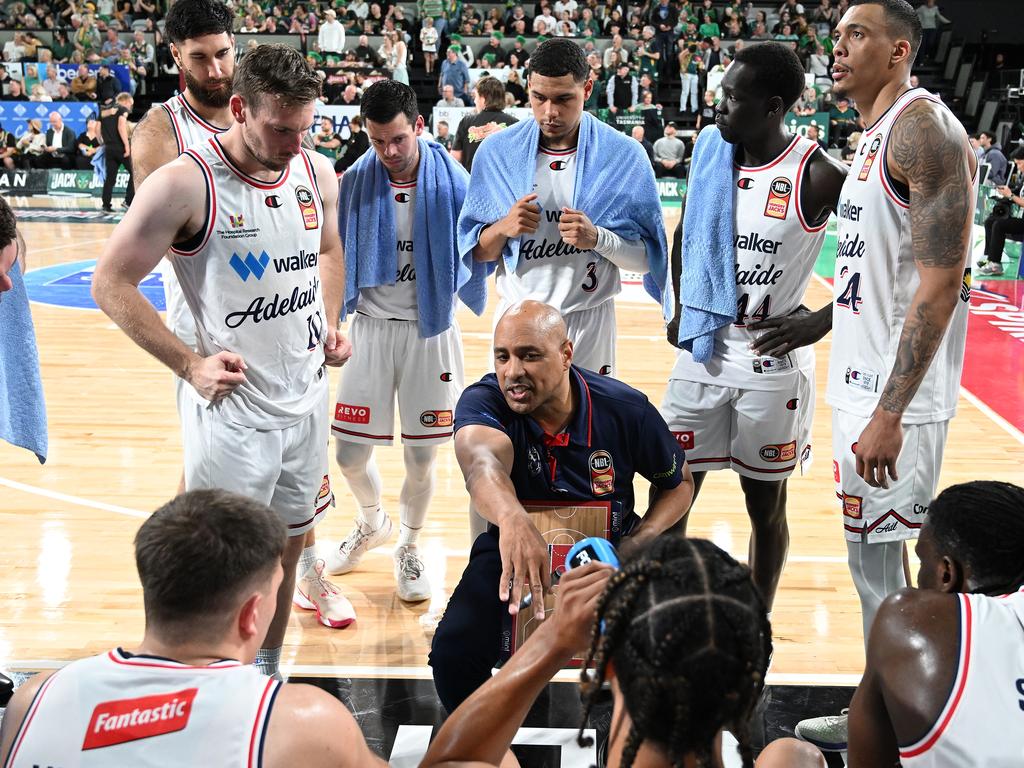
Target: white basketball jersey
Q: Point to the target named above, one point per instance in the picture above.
(775, 250)
(398, 300)
(982, 723)
(549, 269)
(875, 281)
(189, 129)
(252, 281)
(122, 710)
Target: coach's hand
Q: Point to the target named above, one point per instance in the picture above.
(524, 560)
(524, 218)
(784, 334)
(878, 448)
(577, 230)
(576, 598)
(337, 349)
(217, 376)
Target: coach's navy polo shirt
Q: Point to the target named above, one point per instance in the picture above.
(614, 434)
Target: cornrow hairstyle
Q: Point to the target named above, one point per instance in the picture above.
(690, 639)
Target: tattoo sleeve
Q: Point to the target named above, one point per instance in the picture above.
(929, 150)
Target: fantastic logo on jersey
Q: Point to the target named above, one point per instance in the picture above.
(250, 265)
(870, 159)
(557, 165)
(602, 473)
(436, 418)
(852, 506)
(745, 183)
(310, 219)
(778, 453)
(352, 414)
(124, 720)
(779, 193)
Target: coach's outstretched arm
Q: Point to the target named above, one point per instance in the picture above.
(170, 209)
(928, 151)
(486, 457)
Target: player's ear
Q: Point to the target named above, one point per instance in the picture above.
(567, 353)
(775, 106)
(952, 577)
(900, 52)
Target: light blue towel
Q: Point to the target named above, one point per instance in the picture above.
(99, 166)
(615, 187)
(22, 408)
(707, 286)
(366, 221)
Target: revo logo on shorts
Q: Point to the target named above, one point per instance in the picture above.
(353, 414)
(123, 720)
(685, 439)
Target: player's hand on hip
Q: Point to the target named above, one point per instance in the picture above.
(524, 564)
(337, 348)
(878, 448)
(784, 334)
(577, 230)
(576, 598)
(524, 218)
(217, 376)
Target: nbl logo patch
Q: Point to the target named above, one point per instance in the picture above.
(778, 453)
(436, 418)
(870, 159)
(310, 219)
(779, 193)
(602, 473)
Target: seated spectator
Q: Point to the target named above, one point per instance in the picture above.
(1005, 220)
(815, 135)
(544, 23)
(38, 93)
(622, 90)
(493, 55)
(88, 143)
(50, 83)
(566, 26)
(638, 134)
(59, 151)
(994, 157)
(31, 145)
(14, 49)
(588, 26)
(64, 93)
(514, 88)
(112, 47)
(615, 49)
(681, 636)
(503, 427)
(669, 154)
(353, 147)
(143, 57)
(349, 96)
(448, 98)
(62, 47)
(326, 140)
(210, 566)
(8, 148)
(807, 104)
(818, 65)
(942, 683)
(83, 85)
(849, 151)
(843, 120)
(442, 136)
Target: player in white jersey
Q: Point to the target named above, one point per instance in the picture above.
(744, 410)
(253, 224)
(944, 682)
(203, 49)
(564, 260)
(210, 566)
(901, 297)
(406, 339)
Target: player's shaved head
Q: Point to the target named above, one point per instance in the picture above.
(542, 319)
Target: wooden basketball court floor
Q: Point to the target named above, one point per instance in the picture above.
(68, 586)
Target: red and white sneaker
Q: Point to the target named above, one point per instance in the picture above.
(315, 593)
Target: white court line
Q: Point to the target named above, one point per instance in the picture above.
(425, 673)
(78, 243)
(73, 499)
(969, 396)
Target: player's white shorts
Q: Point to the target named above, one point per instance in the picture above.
(389, 357)
(758, 434)
(875, 515)
(592, 333)
(286, 469)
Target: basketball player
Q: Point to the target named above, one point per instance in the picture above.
(210, 565)
(744, 410)
(944, 681)
(203, 48)
(564, 259)
(250, 219)
(399, 352)
(900, 302)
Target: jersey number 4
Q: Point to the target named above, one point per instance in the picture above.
(850, 297)
(759, 314)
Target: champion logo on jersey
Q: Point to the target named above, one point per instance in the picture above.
(557, 165)
(272, 201)
(250, 265)
(745, 183)
(605, 370)
(446, 376)
(123, 720)
(792, 404)
(402, 197)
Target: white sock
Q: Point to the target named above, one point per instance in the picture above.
(268, 660)
(407, 536)
(371, 517)
(306, 561)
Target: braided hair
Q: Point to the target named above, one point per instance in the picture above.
(690, 639)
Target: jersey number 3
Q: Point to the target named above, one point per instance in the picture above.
(590, 281)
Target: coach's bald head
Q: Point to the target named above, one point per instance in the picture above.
(532, 355)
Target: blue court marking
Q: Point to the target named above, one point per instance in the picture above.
(69, 285)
